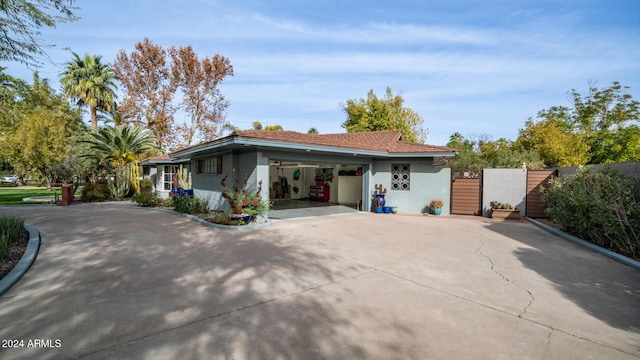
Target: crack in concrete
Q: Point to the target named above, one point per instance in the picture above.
(546, 348)
(506, 279)
(533, 321)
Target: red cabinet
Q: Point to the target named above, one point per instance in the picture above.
(319, 192)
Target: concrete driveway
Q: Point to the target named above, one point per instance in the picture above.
(114, 282)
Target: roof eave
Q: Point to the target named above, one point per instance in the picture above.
(168, 161)
(236, 140)
(422, 154)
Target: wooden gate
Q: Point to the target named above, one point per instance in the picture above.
(466, 193)
(535, 180)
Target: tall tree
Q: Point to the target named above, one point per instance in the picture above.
(257, 125)
(148, 88)
(554, 140)
(20, 24)
(36, 137)
(502, 154)
(120, 145)
(374, 114)
(198, 80)
(91, 83)
(608, 120)
(468, 157)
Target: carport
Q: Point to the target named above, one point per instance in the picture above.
(306, 184)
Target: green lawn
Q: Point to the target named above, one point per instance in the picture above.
(13, 196)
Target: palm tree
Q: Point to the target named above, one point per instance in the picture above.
(116, 117)
(120, 145)
(89, 82)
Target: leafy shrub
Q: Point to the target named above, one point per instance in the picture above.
(499, 205)
(147, 199)
(147, 196)
(190, 205)
(93, 192)
(146, 186)
(602, 207)
(11, 228)
(222, 219)
(257, 210)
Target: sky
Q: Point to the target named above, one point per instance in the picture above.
(473, 67)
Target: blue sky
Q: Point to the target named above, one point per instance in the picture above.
(475, 67)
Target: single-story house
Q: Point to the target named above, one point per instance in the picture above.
(161, 169)
(346, 168)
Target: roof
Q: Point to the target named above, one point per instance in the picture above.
(162, 159)
(375, 143)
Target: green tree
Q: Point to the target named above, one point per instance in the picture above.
(502, 154)
(8, 87)
(36, 137)
(313, 131)
(374, 114)
(115, 117)
(257, 125)
(20, 24)
(608, 121)
(120, 145)
(229, 127)
(90, 82)
(274, 128)
(468, 157)
(554, 141)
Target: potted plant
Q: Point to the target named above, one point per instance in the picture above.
(379, 198)
(258, 212)
(436, 206)
(238, 198)
(500, 210)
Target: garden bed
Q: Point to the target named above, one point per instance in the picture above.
(14, 254)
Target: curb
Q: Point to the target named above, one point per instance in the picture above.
(205, 222)
(608, 253)
(25, 262)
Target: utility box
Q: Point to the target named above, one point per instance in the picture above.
(67, 195)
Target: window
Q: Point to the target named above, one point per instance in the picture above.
(400, 177)
(167, 177)
(212, 165)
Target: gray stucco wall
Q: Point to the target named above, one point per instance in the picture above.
(427, 183)
(207, 186)
(251, 166)
(504, 185)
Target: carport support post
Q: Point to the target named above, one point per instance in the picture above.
(262, 173)
(366, 187)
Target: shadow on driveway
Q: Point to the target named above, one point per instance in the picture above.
(604, 288)
(112, 277)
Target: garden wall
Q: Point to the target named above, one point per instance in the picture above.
(630, 168)
(504, 185)
(510, 185)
